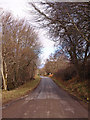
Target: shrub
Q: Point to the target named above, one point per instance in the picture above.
(66, 74)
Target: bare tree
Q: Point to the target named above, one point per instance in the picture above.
(20, 51)
(68, 25)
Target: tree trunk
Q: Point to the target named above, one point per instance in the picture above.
(4, 76)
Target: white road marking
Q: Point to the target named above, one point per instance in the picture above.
(34, 110)
(25, 114)
(48, 112)
(70, 109)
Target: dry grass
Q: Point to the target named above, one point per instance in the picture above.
(75, 87)
(18, 92)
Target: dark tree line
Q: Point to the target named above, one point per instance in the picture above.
(68, 25)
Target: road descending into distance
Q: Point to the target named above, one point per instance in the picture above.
(46, 101)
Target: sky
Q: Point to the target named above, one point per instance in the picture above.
(19, 8)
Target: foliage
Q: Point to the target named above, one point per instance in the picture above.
(67, 73)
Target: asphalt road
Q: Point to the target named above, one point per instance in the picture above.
(46, 101)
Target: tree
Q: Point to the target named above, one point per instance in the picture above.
(56, 63)
(68, 25)
(20, 51)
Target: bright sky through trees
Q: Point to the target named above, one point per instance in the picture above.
(19, 8)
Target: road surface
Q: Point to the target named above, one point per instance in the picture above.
(46, 101)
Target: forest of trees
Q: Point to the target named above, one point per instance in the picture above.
(20, 52)
(68, 26)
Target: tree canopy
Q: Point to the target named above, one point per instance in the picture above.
(20, 51)
(68, 25)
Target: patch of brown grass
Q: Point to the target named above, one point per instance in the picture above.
(76, 87)
(21, 91)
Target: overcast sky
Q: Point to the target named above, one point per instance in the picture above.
(19, 8)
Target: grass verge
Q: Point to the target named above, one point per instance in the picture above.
(21, 91)
(74, 87)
